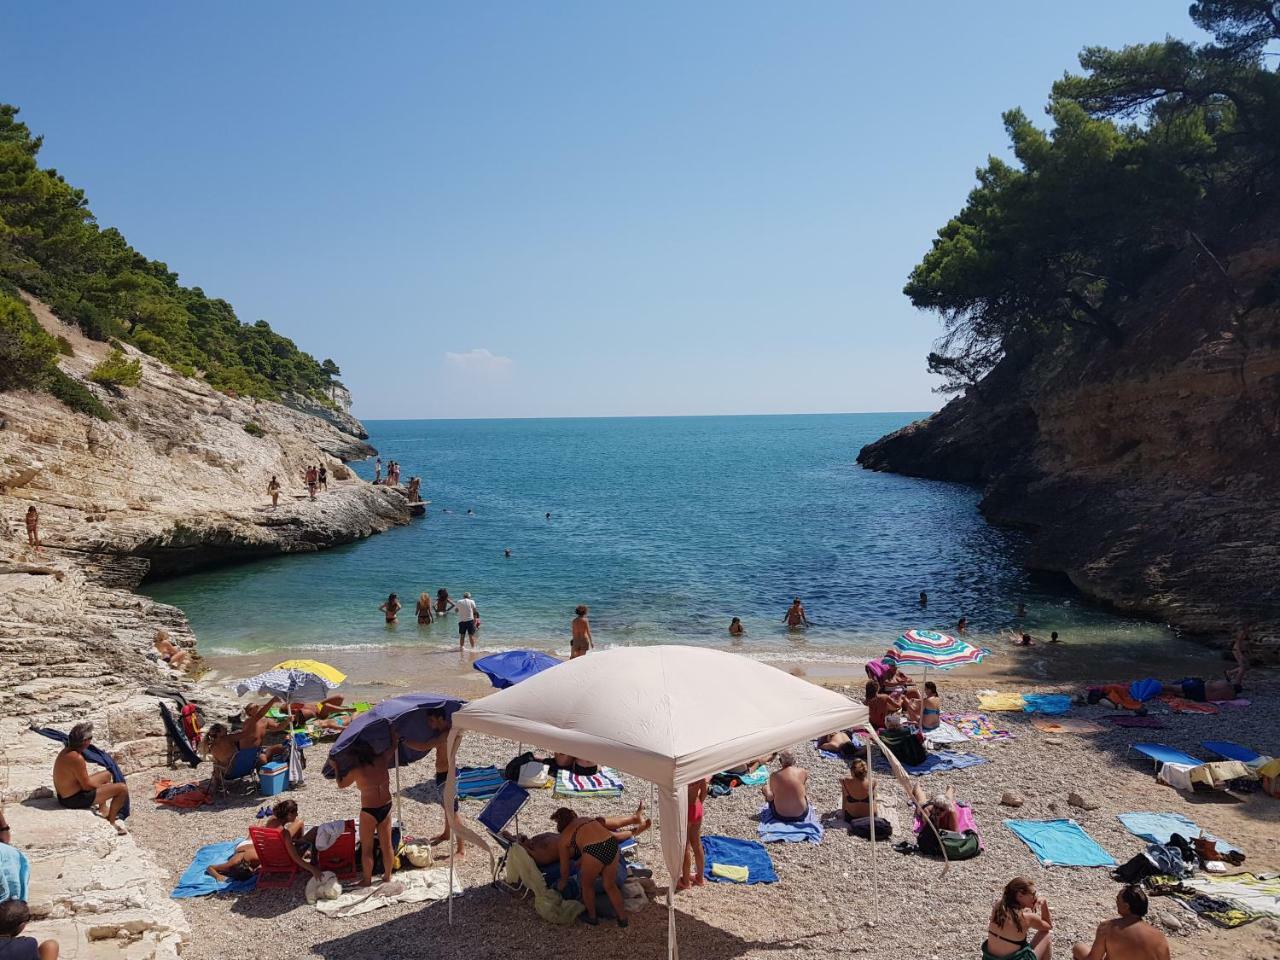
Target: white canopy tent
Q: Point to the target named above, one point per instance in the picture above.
(667, 714)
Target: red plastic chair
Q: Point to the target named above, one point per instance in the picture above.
(341, 856)
(276, 868)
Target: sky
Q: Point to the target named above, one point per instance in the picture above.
(562, 208)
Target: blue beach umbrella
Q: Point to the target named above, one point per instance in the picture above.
(509, 668)
(407, 715)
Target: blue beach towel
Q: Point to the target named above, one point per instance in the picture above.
(479, 783)
(196, 883)
(1051, 704)
(1159, 827)
(15, 873)
(773, 830)
(738, 853)
(1144, 690)
(1231, 751)
(945, 761)
(1164, 754)
(1060, 843)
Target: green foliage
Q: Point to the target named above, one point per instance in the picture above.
(1154, 148)
(117, 370)
(253, 430)
(51, 245)
(27, 353)
(64, 346)
(76, 395)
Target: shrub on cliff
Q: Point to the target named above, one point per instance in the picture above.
(117, 370)
(27, 353)
(253, 430)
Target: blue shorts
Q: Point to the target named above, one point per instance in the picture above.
(466, 627)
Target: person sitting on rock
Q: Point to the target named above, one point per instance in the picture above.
(170, 652)
(14, 917)
(243, 863)
(77, 789)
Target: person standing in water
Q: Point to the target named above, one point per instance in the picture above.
(580, 642)
(736, 628)
(466, 620)
(33, 527)
(423, 608)
(962, 626)
(443, 603)
(924, 599)
(377, 470)
(273, 490)
(795, 618)
(391, 608)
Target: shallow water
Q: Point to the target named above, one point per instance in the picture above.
(666, 528)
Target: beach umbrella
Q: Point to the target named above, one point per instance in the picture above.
(289, 684)
(940, 651)
(510, 667)
(322, 670)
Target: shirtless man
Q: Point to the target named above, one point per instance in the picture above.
(312, 479)
(581, 641)
(1128, 937)
(172, 654)
(439, 725)
(33, 527)
(795, 618)
(1240, 651)
(77, 789)
(255, 729)
(785, 791)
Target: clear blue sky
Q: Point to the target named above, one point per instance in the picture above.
(555, 209)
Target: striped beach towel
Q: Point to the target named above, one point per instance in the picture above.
(605, 783)
(478, 783)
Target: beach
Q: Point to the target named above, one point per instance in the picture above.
(827, 901)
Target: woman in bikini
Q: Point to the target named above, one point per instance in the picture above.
(855, 798)
(443, 603)
(391, 608)
(694, 859)
(596, 848)
(423, 608)
(927, 712)
(1013, 916)
(371, 776)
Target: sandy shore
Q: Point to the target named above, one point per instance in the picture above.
(825, 901)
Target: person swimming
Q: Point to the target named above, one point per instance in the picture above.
(795, 617)
(735, 627)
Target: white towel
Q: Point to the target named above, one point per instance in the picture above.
(327, 834)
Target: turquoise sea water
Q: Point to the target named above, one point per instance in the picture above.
(666, 528)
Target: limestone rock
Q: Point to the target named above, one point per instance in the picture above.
(1084, 803)
(1011, 798)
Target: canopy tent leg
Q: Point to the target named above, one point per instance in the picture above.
(458, 831)
(673, 807)
(875, 866)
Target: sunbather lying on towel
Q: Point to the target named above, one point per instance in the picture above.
(755, 764)
(545, 847)
(941, 808)
(596, 848)
(576, 765)
(244, 861)
(839, 743)
(319, 711)
(1116, 694)
(785, 792)
(1019, 911)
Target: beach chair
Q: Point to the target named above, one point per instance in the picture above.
(340, 857)
(178, 745)
(242, 765)
(276, 868)
(1230, 751)
(1160, 753)
(501, 809)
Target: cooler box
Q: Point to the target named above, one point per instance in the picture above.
(272, 778)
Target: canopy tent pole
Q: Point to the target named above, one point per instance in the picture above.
(399, 818)
(875, 866)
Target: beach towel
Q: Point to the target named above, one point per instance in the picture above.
(831, 754)
(773, 830)
(1066, 725)
(755, 778)
(93, 755)
(196, 883)
(15, 873)
(547, 901)
(1060, 843)
(1053, 704)
(1002, 702)
(1244, 891)
(1144, 690)
(1164, 754)
(732, 852)
(1117, 694)
(1159, 827)
(722, 784)
(1222, 913)
(1239, 703)
(1181, 705)
(408, 886)
(944, 733)
(478, 783)
(944, 761)
(977, 726)
(1230, 751)
(184, 796)
(1125, 720)
(605, 783)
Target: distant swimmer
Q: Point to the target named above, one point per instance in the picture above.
(1022, 610)
(581, 641)
(924, 599)
(390, 608)
(507, 553)
(735, 627)
(548, 516)
(962, 626)
(795, 618)
(423, 608)
(1053, 637)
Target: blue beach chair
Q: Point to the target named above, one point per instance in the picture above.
(1231, 751)
(502, 808)
(1160, 753)
(243, 764)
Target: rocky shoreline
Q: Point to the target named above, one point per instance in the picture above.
(177, 481)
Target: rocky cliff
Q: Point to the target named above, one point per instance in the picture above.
(1147, 472)
(178, 480)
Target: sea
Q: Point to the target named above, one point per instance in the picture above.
(666, 528)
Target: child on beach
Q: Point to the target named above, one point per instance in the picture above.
(581, 641)
(693, 853)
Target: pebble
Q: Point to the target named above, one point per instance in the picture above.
(1170, 921)
(1084, 803)
(1011, 799)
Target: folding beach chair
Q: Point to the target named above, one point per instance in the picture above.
(243, 764)
(1231, 751)
(178, 745)
(497, 813)
(1160, 753)
(276, 868)
(340, 857)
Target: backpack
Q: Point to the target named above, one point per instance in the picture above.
(958, 846)
(861, 827)
(906, 746)
(512, 770)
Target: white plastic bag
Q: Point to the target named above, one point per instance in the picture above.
(533, 774)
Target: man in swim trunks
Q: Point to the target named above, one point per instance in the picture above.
(795, 618)
(581, 640)
(1129, 936)
(273, 490)
(466, 608)
(312, 480)
(255, 729)
(785, 792)
(77, 789)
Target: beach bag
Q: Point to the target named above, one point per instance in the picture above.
(906, 746)
(861, 827)
(513, 767)
(534, 774)
(877, 670)
(958, 846)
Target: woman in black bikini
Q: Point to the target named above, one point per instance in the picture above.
(855, 800)
(1018, 910)
(370, 775)
(593, 842)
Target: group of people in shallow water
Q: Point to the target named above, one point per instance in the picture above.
(427, 611)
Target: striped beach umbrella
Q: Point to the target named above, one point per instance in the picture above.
(289, 684)
(940, 651)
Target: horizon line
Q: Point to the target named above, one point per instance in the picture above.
(648, 416)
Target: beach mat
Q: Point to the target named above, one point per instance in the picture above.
(1002, 702)
(1051, 704)
(773, 830)
(733, 852)
(1066, 725)
(944, 761)
(1158, 827)
(1182, 705)
(194, 882)
(604, 783)
(977, 726)
(1230, 751)
(1060, 843)
(478, 783)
